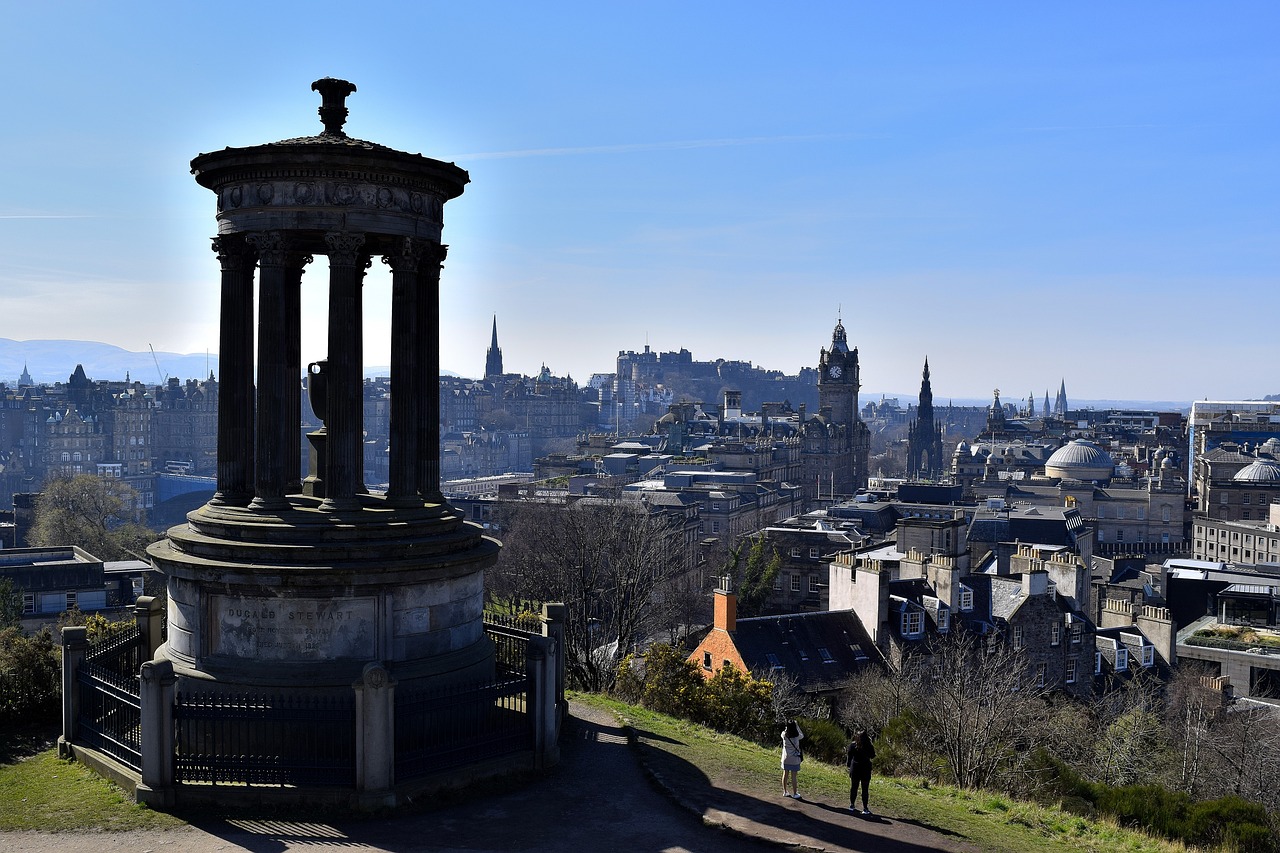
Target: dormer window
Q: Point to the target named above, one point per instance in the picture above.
(912, 623)
(966, 598)
(1148, 656)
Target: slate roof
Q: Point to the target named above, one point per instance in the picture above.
(796, 643)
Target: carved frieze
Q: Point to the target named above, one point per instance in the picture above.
(292, 193)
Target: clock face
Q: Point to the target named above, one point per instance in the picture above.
(835, 371)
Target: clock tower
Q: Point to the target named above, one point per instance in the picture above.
(838, 379)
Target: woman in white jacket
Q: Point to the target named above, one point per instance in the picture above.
(791, 758)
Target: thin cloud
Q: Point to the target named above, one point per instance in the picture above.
(674, 145)
(45, 216)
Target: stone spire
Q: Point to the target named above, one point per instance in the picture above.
(493, 358)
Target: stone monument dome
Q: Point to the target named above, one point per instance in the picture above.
(1262, 471)
(1080, 460)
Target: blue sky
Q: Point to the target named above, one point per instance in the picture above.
(1020, 192)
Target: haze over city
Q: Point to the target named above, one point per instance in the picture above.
(1020, 194)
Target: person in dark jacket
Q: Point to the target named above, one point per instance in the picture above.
(860, 754)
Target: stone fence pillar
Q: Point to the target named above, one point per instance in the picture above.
(543, 711)
(157, 686)
(553, 616)
(375, 738)
(149, 611)
(75, 644)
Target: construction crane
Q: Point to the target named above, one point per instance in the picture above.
(164, 380)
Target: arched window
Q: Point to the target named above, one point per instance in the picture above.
(66, 457)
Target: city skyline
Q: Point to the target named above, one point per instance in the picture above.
(1020, 195)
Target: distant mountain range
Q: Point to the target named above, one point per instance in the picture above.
(55, 361)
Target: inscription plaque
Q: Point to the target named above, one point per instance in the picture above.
(294, 629)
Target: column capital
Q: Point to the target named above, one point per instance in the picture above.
(344, 248)
(272, 246)
(407, 254)
(234, 253)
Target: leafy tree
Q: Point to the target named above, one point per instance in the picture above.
(10, 605)
(95, 513)
(756, 583)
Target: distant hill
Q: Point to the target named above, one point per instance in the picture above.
(55, 361)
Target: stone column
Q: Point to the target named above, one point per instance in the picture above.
(406, 412)
(427, 359)
(553, 618)
(345, 425)
(235, 369)
(542, 700)
(293, 335)
(148, 611)
(75, 644)
(271, 447)
(156, 690)
(375, 737)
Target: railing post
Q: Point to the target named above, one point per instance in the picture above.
(375, 738)
(157, 687)
(149, 612)
(74, 645)
(553, 616)
(543, 711)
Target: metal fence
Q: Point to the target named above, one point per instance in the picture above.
(265, 739)
(451, 727)
(110, 715)
(511, 645)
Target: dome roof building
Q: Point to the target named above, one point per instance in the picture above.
(1262, 471)
(1080, 460)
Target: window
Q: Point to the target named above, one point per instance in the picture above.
(1040, 670)
(1142, 513)
(813, 583)
(1120, 535)
(912, 623)
(1075, 632)
(1071, 671)
(826, 654)
(1102, 511)
(1122, 659)
(1164, 514)
(813, 553)
(944, 619)
(777, 581)
(1097, 663)
(1055, 634)
(706, 660)
(795, 552)
(1244, 498)
(1222, 497)
(71, 600)
(1148, 656)
(28, 603)
(773, 660)
(715, 527)
(1101, 535)
(795, 582)
(1017, 636)
(966, 598)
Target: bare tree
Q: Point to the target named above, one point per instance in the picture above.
(98, 514)
(977, 698)
(612, 562)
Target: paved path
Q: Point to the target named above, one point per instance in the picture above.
(600, 798)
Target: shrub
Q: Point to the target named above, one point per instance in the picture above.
(663, 680)
(824, 740)
(30, 678)
(741, 705)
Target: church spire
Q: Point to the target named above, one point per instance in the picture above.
(493, 358)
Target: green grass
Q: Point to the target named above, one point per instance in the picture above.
(988, 820)
(43, 792)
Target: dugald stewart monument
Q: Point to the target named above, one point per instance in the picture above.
(322, 641)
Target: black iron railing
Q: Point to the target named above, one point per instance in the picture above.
(110, 714)
(446, 728)
(265, 739)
